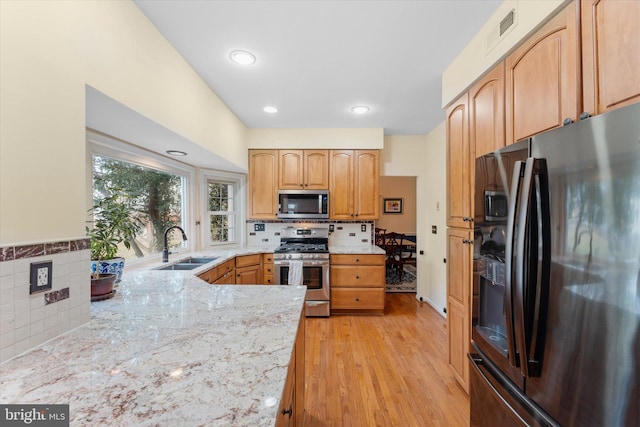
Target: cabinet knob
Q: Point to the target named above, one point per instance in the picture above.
(357, 299)
(567, 121)
(357, 277)
(357, 259)
(288, 411)
(584, 115)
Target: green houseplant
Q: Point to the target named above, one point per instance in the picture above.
(114, 223)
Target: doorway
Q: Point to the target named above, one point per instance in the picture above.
(398, 215)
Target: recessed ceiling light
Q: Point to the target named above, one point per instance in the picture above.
(360, 109)
(270, 109)
(242, 57)
(176, 153)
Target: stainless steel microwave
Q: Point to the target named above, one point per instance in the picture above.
(303, 204)
(496, 206)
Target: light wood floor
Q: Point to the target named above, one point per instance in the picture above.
(386, 370)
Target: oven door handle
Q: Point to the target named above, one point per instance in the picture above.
(306, 262)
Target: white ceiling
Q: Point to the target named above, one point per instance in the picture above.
(317, 59)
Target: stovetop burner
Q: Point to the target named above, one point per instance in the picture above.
(303, 241)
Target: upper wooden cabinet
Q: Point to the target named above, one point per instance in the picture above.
(459, 156)
(610, 54)
(354, 184)
(542, 79)
(486, 112)
(304, 169)
(263, 184)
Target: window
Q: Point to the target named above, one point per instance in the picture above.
(222, 211)
(158, 189)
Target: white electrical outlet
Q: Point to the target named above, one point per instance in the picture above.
(40, 279)
(43, 276)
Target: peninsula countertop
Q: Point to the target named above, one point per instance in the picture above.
(167, 349)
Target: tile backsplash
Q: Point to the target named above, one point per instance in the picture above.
(343, 234)
(28, 320)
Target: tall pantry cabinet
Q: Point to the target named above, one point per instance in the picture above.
(475, 126)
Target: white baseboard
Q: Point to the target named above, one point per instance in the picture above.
(432, 304)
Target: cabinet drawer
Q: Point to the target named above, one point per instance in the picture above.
(267, 258)
(366, 276)
(355, 259)
(209, 276)
(226, 267)
(350, 298)
(247, 260)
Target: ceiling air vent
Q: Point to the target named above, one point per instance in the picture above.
(507, 24)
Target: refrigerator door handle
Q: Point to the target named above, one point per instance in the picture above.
(509, 261)
(521, 267)
(543, 231)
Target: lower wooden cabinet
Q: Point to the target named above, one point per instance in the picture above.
(267, 269)
(249, 269)
(291, 410)
(357, 284)
(223, 274)
(459, 300)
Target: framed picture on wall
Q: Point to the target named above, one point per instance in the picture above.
(393, 206)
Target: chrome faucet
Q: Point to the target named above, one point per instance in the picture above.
(165, 247)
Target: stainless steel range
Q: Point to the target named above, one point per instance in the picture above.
(303, 259)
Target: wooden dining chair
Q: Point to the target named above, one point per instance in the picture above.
(396, 257)
(380, 237)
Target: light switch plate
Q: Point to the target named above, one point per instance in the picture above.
(40, 276)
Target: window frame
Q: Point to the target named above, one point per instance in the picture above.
(239, 183)
(108, 146)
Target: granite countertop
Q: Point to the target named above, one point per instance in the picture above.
(364, 250)
(167, 349)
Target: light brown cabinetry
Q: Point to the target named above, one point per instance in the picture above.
(267, 269)
(357, 284)
(610, 54)
(263, 184)
(291, 410)
(304, 169)
(249, 269)
(542, 79)
(354, 184)
(459, 156)
(459, 263)
(222, 274)
(486, 113)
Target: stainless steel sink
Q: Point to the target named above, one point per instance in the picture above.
(180, 266)
(197, 260)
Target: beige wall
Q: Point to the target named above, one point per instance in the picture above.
(316, 138)
(424, 157)
(50, 50)
(434, 212)
(404, 187)
(475, 59)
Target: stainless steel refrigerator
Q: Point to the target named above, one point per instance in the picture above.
(556, 327)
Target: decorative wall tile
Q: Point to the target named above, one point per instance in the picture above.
(28, 251)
